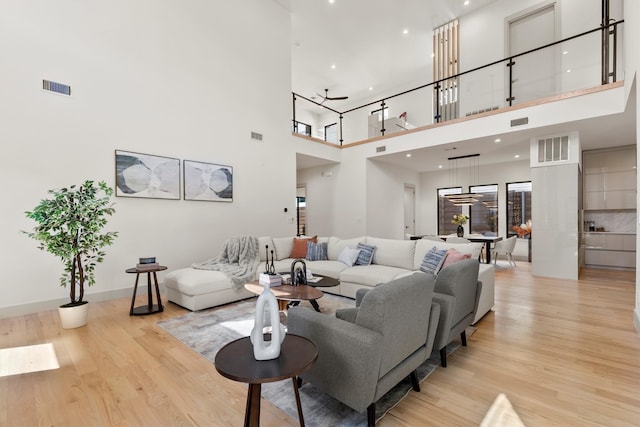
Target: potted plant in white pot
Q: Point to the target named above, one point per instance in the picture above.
(70, 227)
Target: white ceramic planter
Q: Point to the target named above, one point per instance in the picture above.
(73, 317)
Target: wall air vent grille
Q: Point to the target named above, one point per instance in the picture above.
(520, 122)
(553, 149)
(381, 149)
(257, 136)
(56, 87)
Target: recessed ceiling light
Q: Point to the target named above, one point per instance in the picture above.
(517, 156)
(332, 1)
(333, 66)
(497, 140)
(370, 87)
(569, 70)
(439, 166)
(466, 3)
(405, 31)
(565, 52)
(408, 154)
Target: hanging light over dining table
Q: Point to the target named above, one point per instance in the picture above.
(464, 199)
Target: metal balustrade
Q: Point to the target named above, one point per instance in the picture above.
(581, 61)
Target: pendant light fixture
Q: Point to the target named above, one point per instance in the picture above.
(464, 199)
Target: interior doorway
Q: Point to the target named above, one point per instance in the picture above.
(301, 211)
(533, 75)
(409, 210)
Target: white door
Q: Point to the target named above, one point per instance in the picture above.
(409, 210)
(534, 74)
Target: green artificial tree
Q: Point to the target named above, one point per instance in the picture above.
(70, 227)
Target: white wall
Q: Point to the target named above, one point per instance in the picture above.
(385, 199)
(631, 49)
(185, 80)
(320, 187)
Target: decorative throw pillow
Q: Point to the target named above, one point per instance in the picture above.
(348, 256)
(366, 254)
(316, 251)
(453, 256)
(433, 260)
(300, 247)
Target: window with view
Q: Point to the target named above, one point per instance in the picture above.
(518, 205)
(446, 210)
(483, 214)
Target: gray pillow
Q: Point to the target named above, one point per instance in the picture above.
(366, 254)
(316, 251)
(433, 260)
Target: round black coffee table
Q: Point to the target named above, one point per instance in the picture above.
(325, 282)
(236, 362)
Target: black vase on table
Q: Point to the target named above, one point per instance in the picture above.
(460, 231)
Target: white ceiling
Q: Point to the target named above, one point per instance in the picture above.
(364, 40)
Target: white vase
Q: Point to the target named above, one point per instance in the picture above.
(73, 317)
(267, 314)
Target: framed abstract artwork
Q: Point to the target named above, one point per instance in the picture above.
(207, 181)
(147, 176)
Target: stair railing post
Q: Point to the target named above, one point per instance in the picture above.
(293, 101)
(382, 115)
(510, 64)
(436, 88)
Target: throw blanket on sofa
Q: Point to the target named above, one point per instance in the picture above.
(238, 259)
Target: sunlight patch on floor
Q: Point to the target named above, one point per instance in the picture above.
(32, 358)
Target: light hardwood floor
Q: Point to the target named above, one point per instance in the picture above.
(564, 352)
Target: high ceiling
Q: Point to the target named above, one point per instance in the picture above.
(365, 41)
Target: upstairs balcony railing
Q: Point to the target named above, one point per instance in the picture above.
(582, 61)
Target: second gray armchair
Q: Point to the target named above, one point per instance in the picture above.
(457, 291)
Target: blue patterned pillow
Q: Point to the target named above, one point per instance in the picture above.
(316, 251)
(433, 260)
(366, 254)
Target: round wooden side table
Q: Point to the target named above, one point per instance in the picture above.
(150, 308)
(236, 362)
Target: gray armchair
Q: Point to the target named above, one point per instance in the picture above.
(457, 291)
(365, 351)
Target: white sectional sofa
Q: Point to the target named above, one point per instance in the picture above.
(198, 289)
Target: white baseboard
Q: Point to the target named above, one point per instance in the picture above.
(35, 307)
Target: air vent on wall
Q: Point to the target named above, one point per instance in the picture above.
(257, 136)
(56, 87)
(553, 149)
(520, 122)
(381, 149)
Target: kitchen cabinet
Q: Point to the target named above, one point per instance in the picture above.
(609, 204)
(610, 249)
(609, 178)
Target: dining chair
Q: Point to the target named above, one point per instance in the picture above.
(505, 247)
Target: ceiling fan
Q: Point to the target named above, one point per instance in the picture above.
(326, 97)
